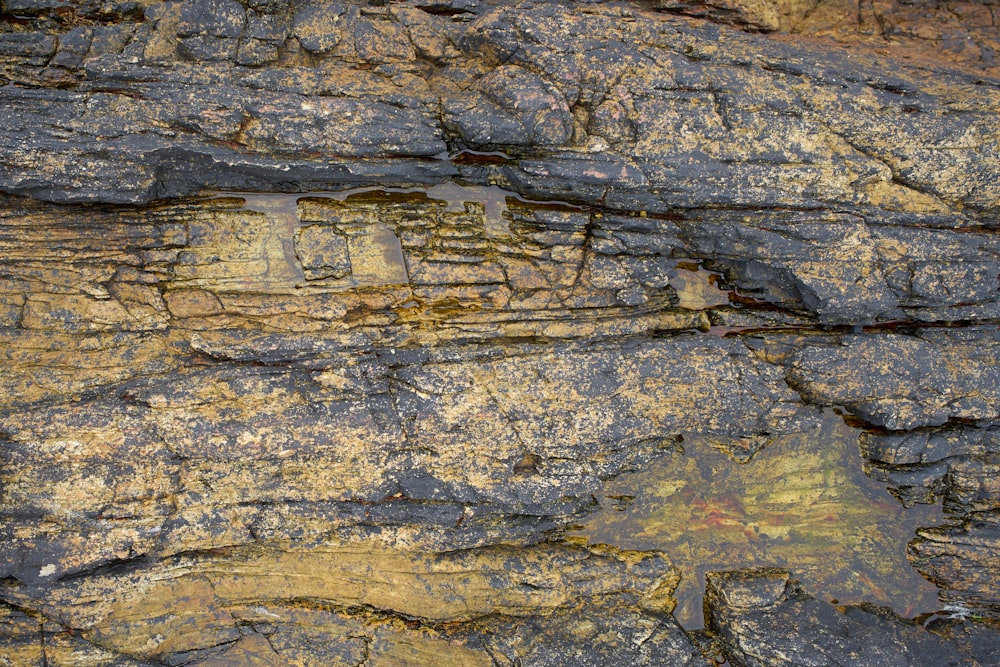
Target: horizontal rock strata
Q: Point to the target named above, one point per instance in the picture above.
(323, 324)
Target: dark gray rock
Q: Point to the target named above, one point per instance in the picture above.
(73, 46)
(34, 7)
(145, 165)
(981, 643)
(317, 26)
(957, 463)
(481, 123)
(594, 636)
(109, 40)
(32, 47)
(209, 30)
(825, 264)
(539, 108)
(895, 381)
(688, 89)
(264, 36)
(211, 18)
(652, 116)
(762, 619)
(962, 554)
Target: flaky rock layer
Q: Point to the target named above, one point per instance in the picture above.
(324, 325)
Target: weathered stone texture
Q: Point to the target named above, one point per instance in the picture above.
(762, 618)
(323, 324)
(905, 382)
(205, 452)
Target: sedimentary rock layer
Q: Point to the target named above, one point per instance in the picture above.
(323, 324)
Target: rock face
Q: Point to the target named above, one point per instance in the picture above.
(762, 618)
(325, 324)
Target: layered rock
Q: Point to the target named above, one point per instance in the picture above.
(323, 323)
(762, 618)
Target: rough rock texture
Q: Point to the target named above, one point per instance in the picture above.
(762, 618)
(323, 323)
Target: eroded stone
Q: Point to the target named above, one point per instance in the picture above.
(355, 352)
(747, 606)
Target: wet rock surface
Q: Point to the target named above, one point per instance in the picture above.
(325, 326)
(762, 618)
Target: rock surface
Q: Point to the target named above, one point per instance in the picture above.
(324, 325)
(762, 618)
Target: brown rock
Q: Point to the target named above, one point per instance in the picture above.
(329, 322)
